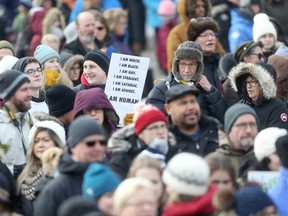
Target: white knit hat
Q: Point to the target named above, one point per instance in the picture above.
(187, 174)
(53, 126)
(262, 26)
(264, 143)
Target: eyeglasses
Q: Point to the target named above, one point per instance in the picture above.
(190, 65)
(32, 72)
(200, 19)
(251, 83)
(93, 143)
(100, 28)
(156, 127)
(259, 55)
(243, 126)
(206, 35)
(221, 182)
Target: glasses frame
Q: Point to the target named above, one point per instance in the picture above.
(259, 55)
(32, 72)
(93, 143)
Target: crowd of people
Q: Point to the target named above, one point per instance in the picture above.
(191, 145)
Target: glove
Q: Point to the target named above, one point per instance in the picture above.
(128, 118)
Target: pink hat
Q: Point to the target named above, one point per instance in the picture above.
(167, 9)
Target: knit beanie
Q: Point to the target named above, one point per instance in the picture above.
(100, 58)
(7, 63)
(60, 99)
(22, 63)
(198, 25)
(265, 142)
(107, 181)
(188, 50)
(8, 45)
(51, 125)
(251, 200)
(10, 82)
(244, 49)
(282, 50)
(43, 53)
(262, 26)
(81, 128)
(167, 9)
(282, 150)
(26, 3)
(234, 112)
(146, 116)
(187, 174)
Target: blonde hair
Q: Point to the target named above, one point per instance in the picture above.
(51, 16)
(113, 16)
(127, 189)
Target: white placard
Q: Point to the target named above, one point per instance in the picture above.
(267, 179)
(125, 82)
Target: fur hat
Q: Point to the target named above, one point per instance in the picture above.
(146, 116)
(198, 25)
(10, 82)
(60, 99)
(106, 179)
(226, 63)
(100, 58)
(43, 53)
(6, 44)
(187, 174)
(262, 26)
(81, 128)
(7, 63)
(51, 125)
(244, 49)
(167, 9)
(188, 50)
(264, 143)
(234, 112)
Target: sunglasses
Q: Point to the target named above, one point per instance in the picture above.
(100, 28)
(93, 143)
(259, 55)
(201, 19)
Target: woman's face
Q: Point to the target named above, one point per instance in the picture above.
(253, 88)
(268, 41)
(42, 142)
(121, 27)
(52, 64)
(143, 202)
(100, 30)
(154, 176)
(74, 72)
(222, 179)
(96, 114)
(105, 203)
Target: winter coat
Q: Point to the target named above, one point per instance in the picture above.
(279, 193)
(207, 142)
(67, 184)
(76, 47)
(11, 138)
(272, 112)
(198, 206)
(241, 27)
(179, 34)
(211, 104)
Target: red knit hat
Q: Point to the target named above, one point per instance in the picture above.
(146, 116)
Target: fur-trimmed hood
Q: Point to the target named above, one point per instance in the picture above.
(264, 77)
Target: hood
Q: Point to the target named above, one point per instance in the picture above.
(41, 116)
(71, 61)
(69, 166)
(264, 78)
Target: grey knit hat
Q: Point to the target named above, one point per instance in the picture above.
(234, 112)
(188, 50)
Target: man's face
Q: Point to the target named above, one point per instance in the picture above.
(207, 41)
(85, 153)
(184, 111)
(94, 73)
(187, 69)
(35, 74)
(21, 100)
(243, 132)
(86, 27)
(157, 129)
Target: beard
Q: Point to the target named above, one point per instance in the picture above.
(87, 38)
(21, 106)
(246, 143)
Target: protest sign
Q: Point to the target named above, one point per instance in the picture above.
(267, 179)
(125, 82)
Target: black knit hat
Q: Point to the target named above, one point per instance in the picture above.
(10, 82)
(100, 58)
(198, 25)
(60, 99)
(245, 48)
(282, 150)
(81, 128)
